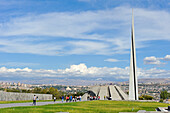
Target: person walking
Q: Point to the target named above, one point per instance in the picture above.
(80, 97)
(37, 98)
(54, 99)
(34, 100)
(70, 98)
(66, 98)
(62, 98)
(75, 98)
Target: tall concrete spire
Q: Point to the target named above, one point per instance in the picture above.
(133, 83)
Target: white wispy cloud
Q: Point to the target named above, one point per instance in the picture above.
(86, 26)
(81, 71)
(19, 64)
(84, 0)
(113, 60)
(86, 47)
(166, 58)
(26, 45)
(156, 61)
(152, 60)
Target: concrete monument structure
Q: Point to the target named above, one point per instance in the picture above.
(111, 92)
(133, 83)
(114, 91)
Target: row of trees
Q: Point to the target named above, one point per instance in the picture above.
(163, 95)
(51, 90)
(54, 91)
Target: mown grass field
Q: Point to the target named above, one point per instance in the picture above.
(87, 107)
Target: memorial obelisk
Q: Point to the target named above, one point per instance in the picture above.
(133, 83)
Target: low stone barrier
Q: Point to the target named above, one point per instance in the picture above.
(11, 96)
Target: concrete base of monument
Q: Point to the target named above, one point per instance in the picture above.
(106, 92)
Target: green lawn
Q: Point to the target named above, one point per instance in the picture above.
(23, 101)
(87, 107)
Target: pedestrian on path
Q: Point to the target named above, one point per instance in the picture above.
(37, 98)
(98, 97)
(77, 98)
(67, 98)
(62, 98)
(34, 100)
(80, 97)
(73, 99)
(70, 98)
(54, 99)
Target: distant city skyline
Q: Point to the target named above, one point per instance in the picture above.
(83, 39)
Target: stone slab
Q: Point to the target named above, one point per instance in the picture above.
(11, 96)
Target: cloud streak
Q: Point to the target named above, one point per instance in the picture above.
(18, 64)
(103, 32)
(113, 60)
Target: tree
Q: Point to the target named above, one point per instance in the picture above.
(44, 91)
(164, 94)
(141, 97)
(145, 97)
(148, 97)
(55, 92)
(37, 90)
(161, 100)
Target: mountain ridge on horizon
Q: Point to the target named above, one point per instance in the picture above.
(88, 82)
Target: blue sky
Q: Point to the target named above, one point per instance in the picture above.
(78, 38)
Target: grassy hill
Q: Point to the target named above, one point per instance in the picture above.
(88, 107)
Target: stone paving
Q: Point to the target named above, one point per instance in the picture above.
(28, 104)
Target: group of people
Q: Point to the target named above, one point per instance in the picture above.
(73, 98)
(93, 97)
(68, 99)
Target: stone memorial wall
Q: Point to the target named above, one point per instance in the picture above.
(11, 96)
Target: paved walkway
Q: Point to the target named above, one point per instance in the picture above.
(28, 104)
